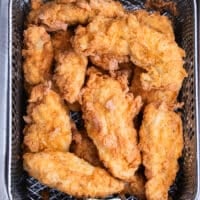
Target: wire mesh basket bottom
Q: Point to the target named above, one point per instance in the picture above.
(24, 187)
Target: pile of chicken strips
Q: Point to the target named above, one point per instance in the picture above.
(123, 71)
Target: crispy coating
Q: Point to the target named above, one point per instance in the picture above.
(149, 49)
(70, 68)
(36, 4)
(156, 21)
(70, 74)
(48, 123)
(153, 95)
(58, 15)
(61, 42)
(161, 143)
(65, 1)
(70, 174)
(84, 148)
(160, 57)
(108, 111)
(38, 55)
(103, 36)
(108, 62)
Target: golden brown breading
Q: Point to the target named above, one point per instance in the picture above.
(153, 95)
(70, 174)
(149, 49)
(70, 68)
(156, 21)
(108, 62)
(161, 143)
(48, 123)
(57, 16)
(36, 4)
(160, 57)
(65, 1)
(108, 111)
(84, 148)
(61, 42)
(103, 36)
(70, 74)
(38, 55)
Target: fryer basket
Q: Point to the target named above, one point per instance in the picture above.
(17, 183)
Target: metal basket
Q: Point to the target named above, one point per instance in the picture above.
(15, 182)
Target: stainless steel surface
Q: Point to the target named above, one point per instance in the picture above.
(16, 183)
(4, 88)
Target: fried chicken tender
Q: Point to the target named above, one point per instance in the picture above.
(154, 95)
(149, 49)
(58, 15)
(84, 148)
(48, 123)
(108, 111)
(161, 143)
(156, 21)
(70, 74)
(38, 55)
(70, 174)
(70, 67)
(61, 42)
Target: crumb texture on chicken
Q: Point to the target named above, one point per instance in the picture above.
(38, 55)
(108, 61)
(36, 4)
(70, 174)
(154, 95)
(47, 121)
(156, 21)
(161, 143)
